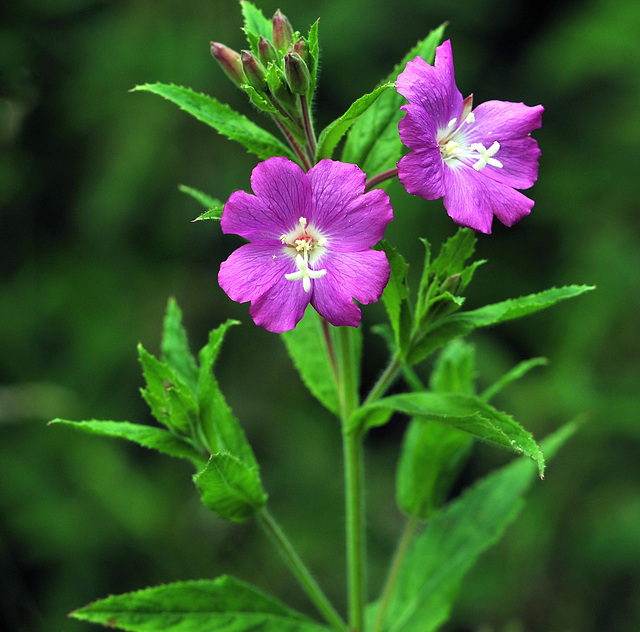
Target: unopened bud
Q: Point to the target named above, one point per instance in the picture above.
(267, 52)
(230, 62)
(254, 71)
(451, 284)
(282, 32)
(297, 73)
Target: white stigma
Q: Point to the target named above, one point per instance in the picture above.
(486, 155)
(304, 273)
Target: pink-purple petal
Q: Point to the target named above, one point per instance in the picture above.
(417, 128)
(281, 307)
(422, 173)
(244, 214)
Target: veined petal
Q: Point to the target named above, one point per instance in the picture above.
(433, 87)
(284, 188)
(417, 128)
(349, 218)
(472, 199)
(359, 275)
(253, 269)
(250, 217)
(281, 307)
(422, 173)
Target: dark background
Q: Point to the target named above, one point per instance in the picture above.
(95, 236)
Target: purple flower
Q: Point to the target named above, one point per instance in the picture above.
(473, 159)
(310, 240)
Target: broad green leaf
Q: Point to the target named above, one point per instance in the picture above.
(514, 374)
(454, 538)
(307, 347)
(373, 141)
(464, 412)
(222, 118)
(224, 604)
(146, 436)
(206, 200)
(462, 323)
(255, 24)
(230, 488)
(395, 298)
(455, 370)
(175, 347)
(220, 426)
(332, 134)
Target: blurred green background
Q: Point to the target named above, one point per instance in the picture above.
(95, 236)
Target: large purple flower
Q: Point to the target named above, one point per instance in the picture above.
(310, 240)
(473, 159)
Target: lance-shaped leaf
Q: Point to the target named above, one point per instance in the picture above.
(522, 368)
(373, 141)
(462, 323)
(175, 346)
(307, 347)
(440, 556)
(224, 604)
(464, 412)
(332, 134)
(255, 25)
(206, 200)
(230, 488)
(222, 118)
(146, 436)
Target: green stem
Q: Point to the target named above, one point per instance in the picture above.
(398, 558)
(301, 572)
(308, 127)
(354, 484)
(306, 164)
(384, 381)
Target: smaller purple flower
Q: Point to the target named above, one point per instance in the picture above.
(310, 240)
(474, 160)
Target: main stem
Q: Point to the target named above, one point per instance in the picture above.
(354, 484)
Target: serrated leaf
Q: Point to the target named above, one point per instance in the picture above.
(307, 347)
(206, 200)
(454, 253)
(175, 347)
(462, 323)
(332, 134)
(314, 52)
(515, 373)
(455, 537)
(455, 370)
(213, 213)
(224, 604)
(255, 24)
(373, 141)
(146, 436)
(222, 118)
(230, 488)
(464, 412)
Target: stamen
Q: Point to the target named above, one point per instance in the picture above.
(452, 122)
(304, 273)
(471, 118)
(486, 155)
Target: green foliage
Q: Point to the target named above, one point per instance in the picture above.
(373, 141)
(255, 24)
(224, 604)
(222, 118)
(213, 205)
(440, 556)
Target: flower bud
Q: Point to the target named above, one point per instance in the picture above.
(267, 52)
(297, 73)
(301, 46)
(254, 71)
(282, 32)
(230, 62)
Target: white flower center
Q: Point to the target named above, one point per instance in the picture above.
(308, 245)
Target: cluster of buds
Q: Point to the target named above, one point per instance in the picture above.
(277, 72)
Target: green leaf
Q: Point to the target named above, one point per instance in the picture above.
(230, 488)
(146, 436)
(454, 538)
(224, 604)
(307, 347)
(455, 369)
(462, 323)
(332, 134)
(454, 253)
(514, 374)
(175, 347)
(373, 141)
(222, 118)
(395, 298)
(206, 200)
(314, 52)
(255, 24)
(464, 412)
(212, 213)
(219, 425)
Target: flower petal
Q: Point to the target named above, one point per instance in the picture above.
(417, 129)
(349, 218)
(281, 307)
(422, 173)
(250, 217)
(472, 199)
(433, 87)
(510, 124)
(253, 269)
(359, 275)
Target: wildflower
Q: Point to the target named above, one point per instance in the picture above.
(310, 240)
(474, 159)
